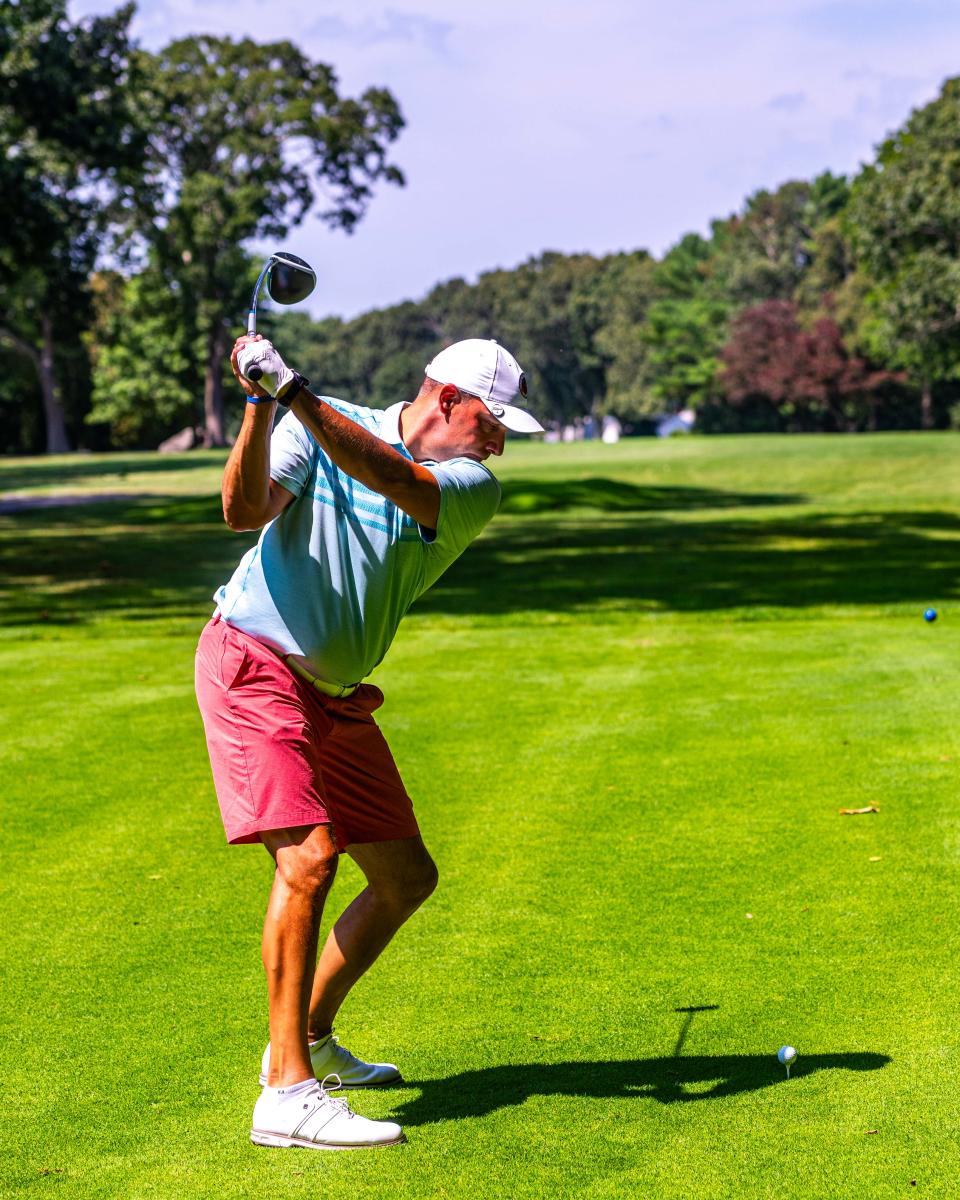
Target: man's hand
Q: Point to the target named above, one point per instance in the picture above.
(257, 352)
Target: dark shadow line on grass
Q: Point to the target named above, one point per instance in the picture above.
(18, 476)
(668, 1080)
(527, 497)
(156, 556)
(11, 505)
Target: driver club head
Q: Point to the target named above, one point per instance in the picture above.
(290, 279)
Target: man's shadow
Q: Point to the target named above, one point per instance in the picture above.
(670, 1080)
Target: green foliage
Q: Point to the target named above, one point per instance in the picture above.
(546, 311)
(145, 382)
(765, 252)
(222, 117)
(619, 340)
(684, 339)
(664, 334)
(71, 145)
(243, 138)
(917, 312)
(225, 117)
(904, 223)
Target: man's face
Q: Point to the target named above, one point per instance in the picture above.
(472, 431)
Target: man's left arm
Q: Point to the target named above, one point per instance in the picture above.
(366, 458)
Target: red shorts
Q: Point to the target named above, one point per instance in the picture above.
(284, 755)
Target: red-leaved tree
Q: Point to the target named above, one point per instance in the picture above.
(806, 375)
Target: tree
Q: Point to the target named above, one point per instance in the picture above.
(666, 329)
(243, 139)
(806, 376)
(684, 338)
(70, 144)
(764, 252)
(544, 311)
(630, 291)
(904, 223)
(144, 384)
(376, 359)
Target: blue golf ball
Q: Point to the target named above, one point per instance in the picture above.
(930, 614)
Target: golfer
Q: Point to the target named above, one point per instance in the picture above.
(360, 511)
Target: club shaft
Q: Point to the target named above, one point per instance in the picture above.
(252, 315)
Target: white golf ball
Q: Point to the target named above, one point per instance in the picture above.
(786, 1055)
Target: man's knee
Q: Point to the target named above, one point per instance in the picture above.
(309, 866)
(425, 882)
(408, 889)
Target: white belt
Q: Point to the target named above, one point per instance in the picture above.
(335, 690)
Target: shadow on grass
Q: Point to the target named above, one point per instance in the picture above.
(531, 496)
(17, 476)
(141, 559)
(684, 550)
(666, 1080)
(650, 563)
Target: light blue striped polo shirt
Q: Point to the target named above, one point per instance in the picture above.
(333, 575)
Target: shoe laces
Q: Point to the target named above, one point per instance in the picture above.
(343, 1053)
(337, 1103)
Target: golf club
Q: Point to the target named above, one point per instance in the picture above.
(289, 280)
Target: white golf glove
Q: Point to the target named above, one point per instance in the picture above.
(262, 365)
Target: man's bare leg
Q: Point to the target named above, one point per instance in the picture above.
(306, 860)
(400, 876)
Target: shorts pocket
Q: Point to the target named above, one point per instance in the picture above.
(233, 659)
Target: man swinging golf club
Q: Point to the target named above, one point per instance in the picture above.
(360, 511)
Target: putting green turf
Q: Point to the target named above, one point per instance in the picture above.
(629, 716)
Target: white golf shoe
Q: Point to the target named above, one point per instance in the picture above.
(328, 1057)
(307, 1115)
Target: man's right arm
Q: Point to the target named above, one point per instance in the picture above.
(250, 497)
(357, 452)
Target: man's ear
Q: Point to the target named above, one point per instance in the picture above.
(447, 397)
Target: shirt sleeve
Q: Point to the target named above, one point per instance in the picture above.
(469, 497)
(293, 453)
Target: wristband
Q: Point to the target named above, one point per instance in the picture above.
(294, 390)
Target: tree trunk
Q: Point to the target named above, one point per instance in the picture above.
(43, 361)
(926, 405)
(57, 440)
(872, 410)
(214, 425)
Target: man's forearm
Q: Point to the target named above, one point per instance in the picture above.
(366, 458)
(246, 478)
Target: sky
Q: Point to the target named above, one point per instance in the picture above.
(601, 126)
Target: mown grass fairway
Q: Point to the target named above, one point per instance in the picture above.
(629, 715)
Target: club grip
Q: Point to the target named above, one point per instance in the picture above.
(254, 371)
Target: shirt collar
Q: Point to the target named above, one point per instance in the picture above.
(390, 424)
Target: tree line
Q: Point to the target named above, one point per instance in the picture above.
(137, 180)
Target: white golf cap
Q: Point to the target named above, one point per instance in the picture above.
(486, 370)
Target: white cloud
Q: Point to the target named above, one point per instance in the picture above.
(390, 26)
(788, 101)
